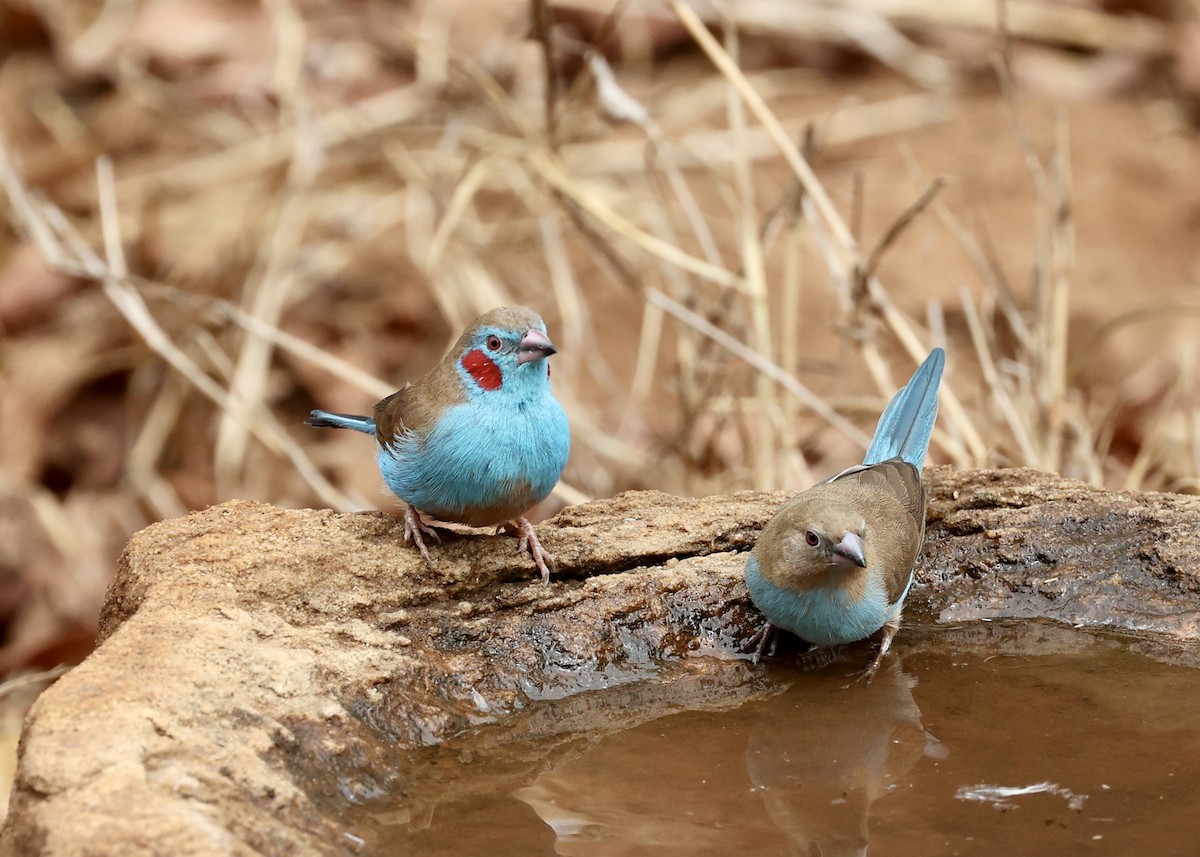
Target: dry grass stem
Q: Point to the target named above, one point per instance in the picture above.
(26, 679)
(312, 212)
(786, 147)
(760, 364)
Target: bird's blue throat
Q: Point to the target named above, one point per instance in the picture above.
(508, 383)
(825, 616)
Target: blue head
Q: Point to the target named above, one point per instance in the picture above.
(503, 355)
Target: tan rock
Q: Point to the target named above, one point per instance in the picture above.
(260, 669)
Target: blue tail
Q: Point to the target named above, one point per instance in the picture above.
(907, 422)
(324, 419)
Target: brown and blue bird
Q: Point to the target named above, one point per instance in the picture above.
(479, 439)
(835, 563)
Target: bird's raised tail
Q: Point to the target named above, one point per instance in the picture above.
(325, 419)
(907, 422)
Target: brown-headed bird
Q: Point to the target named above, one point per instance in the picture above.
(836, 561)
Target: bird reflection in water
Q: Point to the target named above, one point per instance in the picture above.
(820, 762)
(794, 774)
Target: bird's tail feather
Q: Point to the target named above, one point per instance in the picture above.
(907, 422)
(325, 419)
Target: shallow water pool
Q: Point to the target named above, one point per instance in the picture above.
(1020, 740)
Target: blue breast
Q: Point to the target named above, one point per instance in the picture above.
(825, 616)
(481, 461)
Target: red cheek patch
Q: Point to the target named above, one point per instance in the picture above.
(480, 367)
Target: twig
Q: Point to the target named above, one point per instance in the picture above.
(812, 186)
(901, 223)
(759, 363)
(540, 18)
(22, 681)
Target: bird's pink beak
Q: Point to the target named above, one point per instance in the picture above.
(535, 345)
(850, 551)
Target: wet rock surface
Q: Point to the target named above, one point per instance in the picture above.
(1023, 544)
(262, 671)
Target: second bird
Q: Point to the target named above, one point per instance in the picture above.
(479, 439)
(835, 563)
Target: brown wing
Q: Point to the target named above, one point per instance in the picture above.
(389, 416)
(417, 407)
(891, 486)
(894, 475)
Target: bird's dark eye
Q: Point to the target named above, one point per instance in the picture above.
(812, 538)
(493, 343)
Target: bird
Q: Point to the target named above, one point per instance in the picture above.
(479, 439)
(835, 563)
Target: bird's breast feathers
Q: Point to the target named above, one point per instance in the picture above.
(480, 463)
(824, 615)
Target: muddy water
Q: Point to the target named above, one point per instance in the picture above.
(1022, 740)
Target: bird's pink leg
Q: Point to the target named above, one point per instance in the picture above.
(529, 541)
(767, 634)
(889, 631)
(413, 528)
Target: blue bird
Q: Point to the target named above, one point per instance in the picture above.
(479, 439)
(836, 561)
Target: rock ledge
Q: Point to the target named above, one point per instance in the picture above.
(259, 668)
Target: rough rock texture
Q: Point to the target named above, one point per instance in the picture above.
(261, 671)
(1021, 544)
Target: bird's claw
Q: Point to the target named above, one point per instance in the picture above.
(414, 527)
(528, 540)
(869, 676)
(768, 634)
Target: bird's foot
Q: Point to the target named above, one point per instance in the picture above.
(542, 558)
(414, 527)
(767, 635)
(869, 676)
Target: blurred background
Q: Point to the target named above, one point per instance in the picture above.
(744, 222)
